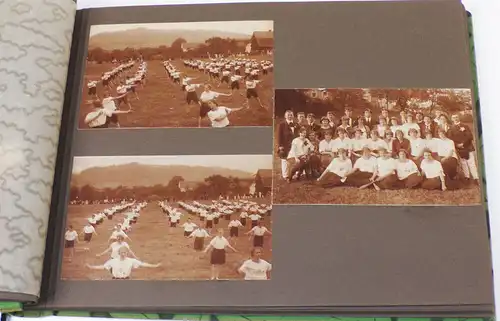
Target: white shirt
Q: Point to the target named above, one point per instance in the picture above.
(341, 143)
(385, 166)
(115, 234)
(219, 242)
(444, 147)
(92, 84)
(208, 96)
(122, 268)
(109, 103)
(244, 215)
(366, 165)
(326, 147)
(375, 145)
(70, 235)
(235, 78)
(300, 147)
(431, 169)
(88, 229)
(407, 126)
(358, 144)
(213, 115)
(234, 223)
(255, 270)
(431, 144)
(417, 146)
(341, 168)
(405, 169)
(200, 233)
(115, 247)
(192, 87)
(259, 231)
(189, 227)
(251, 84)
(121, 89)
(254, 217)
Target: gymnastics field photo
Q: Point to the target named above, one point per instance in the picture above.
(195, 217)
(195, 74)
(375, 147)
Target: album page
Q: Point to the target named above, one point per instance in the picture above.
(234, 158)
(34, 53)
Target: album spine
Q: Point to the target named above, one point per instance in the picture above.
(64, 156)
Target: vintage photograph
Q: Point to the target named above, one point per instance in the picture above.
(169, 218)
(195, 74)
(375, 146)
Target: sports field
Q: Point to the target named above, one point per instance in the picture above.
(154, 241)
(162, 103)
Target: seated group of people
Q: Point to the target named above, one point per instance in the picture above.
(427, 155)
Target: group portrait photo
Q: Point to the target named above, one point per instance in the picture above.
(375, 147)
(196, 74)
(195, 217)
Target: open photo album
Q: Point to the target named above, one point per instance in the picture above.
(266, 158)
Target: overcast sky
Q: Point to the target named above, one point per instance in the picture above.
(244, 27)
(249, 163)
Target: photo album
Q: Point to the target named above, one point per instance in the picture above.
(265, 158)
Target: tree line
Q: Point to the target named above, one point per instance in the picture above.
(213, 46)
(323, 100)
(211, 188)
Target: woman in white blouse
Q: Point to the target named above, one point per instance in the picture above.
(258, 232)
(388, 139)
(417, 146)
(358, 142)
(385, 176)
(298, 157)
(410, 124)
(336, 173)
(447, 154)
(363, 169)
(218, 254)
(433, 173)
(326, 148)
(342, 141)
(255, 268)
(407, 171)
(375, 143)
(430, 142)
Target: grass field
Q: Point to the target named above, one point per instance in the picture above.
(305, 192)
(153, 241)
(162, 103)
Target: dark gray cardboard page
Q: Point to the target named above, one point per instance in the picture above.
(323, 255)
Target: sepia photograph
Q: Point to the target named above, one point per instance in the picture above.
(375, 147)
(195, 74)
(205, 217)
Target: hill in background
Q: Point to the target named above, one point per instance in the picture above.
(135, 174)
(142, 38)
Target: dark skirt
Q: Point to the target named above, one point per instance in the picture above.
(204, 109)
(186, 233)
(198, 243)
(258, 240)
(358, 179)
(235, 85)
(209, 224)
(69, 244)
(254, 223)
(228, 217)
(191, 96)
(225, 79)
(218, 257)
(172, 224)
(252, 93)
(216, 220)
(110, 217)
(92, 91)
(243, 221)
(233, 231)
(202, 218)
(87, 237)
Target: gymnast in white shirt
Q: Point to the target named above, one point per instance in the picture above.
(336, 172)
(385, 175)
(218, 255)
(407, 171)
(255, 268)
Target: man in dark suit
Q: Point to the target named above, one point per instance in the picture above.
(427, 125)
(463, 138)
(369, 121)
(312, 126)
(287, 131)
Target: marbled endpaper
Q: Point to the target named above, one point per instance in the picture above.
(35, 40)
